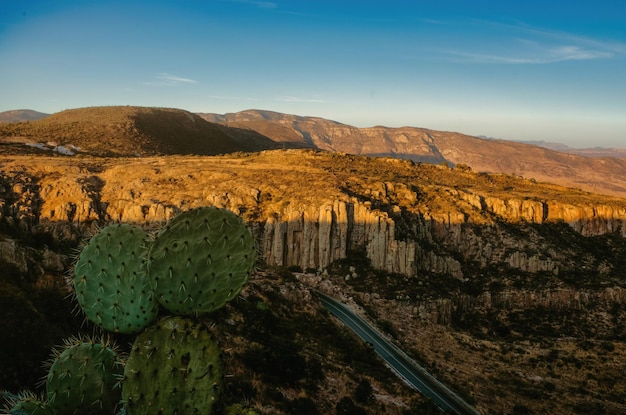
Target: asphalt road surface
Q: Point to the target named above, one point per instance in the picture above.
(405, 367)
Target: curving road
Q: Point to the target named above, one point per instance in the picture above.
(405, 367)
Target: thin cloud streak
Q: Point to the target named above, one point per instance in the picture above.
(256, 3)
(578, 53)
(175, 79)
(602, 45)
(165, 79)
(547, 56)
(525, 44)
(297, 99)
(232, 98)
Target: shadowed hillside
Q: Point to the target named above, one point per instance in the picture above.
(132, 131)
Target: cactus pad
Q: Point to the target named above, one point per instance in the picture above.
(84, 378)
(200, 260)
(27, 403)
(174, 368)
(110, 281)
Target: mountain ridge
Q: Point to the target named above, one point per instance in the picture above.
(21, 115)
(588, 152)
(144, 131)
(606, 175)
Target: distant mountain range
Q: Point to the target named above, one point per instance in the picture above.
(299, 131)
(139, 131)
(21, 115)
(587, 152)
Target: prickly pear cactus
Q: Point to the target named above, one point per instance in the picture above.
(84, 378)
(110, 280)
(27, 403)
(200, 260)
(174, 368)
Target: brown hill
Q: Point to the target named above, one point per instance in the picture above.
(604, 175)
(131, 131)
(21, 115)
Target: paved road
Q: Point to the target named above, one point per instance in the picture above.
(406, 368)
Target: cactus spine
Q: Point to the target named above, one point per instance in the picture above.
(174, 368)
(200, 260)
(84, 378)
(110, 281)
(27, 403)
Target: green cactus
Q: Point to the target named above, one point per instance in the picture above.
(27, 403)
(110, 281)
(84, 378)
(200, 260)
(174, 368)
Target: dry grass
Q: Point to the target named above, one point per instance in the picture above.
(300, 176)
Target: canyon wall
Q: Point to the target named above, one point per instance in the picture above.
(315, 233)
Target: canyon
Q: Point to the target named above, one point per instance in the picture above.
(402, 227)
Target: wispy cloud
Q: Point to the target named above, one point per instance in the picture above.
(257, 3)
(428, 20)
(166, 79)
(577, 53)
(232, 98)
(613, 47)
(522, 44)
(544, 56)
(298, 99)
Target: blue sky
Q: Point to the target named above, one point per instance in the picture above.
(518, 70)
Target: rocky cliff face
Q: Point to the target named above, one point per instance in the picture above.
(404, 227)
